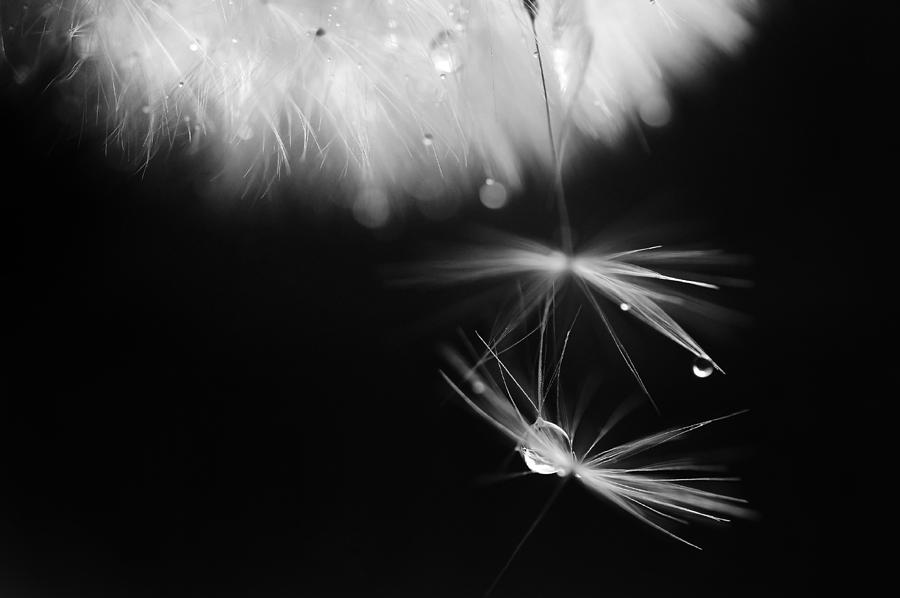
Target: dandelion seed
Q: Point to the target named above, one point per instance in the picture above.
(632, 280)
(658, 493)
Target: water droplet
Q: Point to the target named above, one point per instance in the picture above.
(372, 209)
(320, 32)
(703, 368)
(445, 53)
(624, 307)
(493, 194)
(655, 111)
(547, 449)
(478, 387)
(427, 139)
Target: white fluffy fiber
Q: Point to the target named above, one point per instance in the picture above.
(385, 98)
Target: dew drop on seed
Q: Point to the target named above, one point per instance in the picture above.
(548, 449)
(445, 53)
(493, 195)
(655, 111)
(703, 368)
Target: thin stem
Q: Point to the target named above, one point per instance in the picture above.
(558, 189)
(528, 533)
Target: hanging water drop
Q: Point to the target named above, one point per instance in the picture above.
(655, 110)
(624, 307)
(549, 449)
(372, 208)
(492, 194)
(445, 52)
(703, 368)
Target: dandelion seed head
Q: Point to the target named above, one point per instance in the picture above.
(342, 91)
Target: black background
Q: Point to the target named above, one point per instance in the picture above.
(229, 401)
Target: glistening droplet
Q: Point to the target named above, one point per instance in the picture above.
(445, 52)
(703, 368)
(547, 449)
(493, 194)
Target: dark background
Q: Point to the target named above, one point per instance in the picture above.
(229, 401)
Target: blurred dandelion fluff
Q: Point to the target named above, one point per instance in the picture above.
(400, 97)
(658, 493)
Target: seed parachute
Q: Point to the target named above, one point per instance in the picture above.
(633, 281)
(661, 494)
(401, 98)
